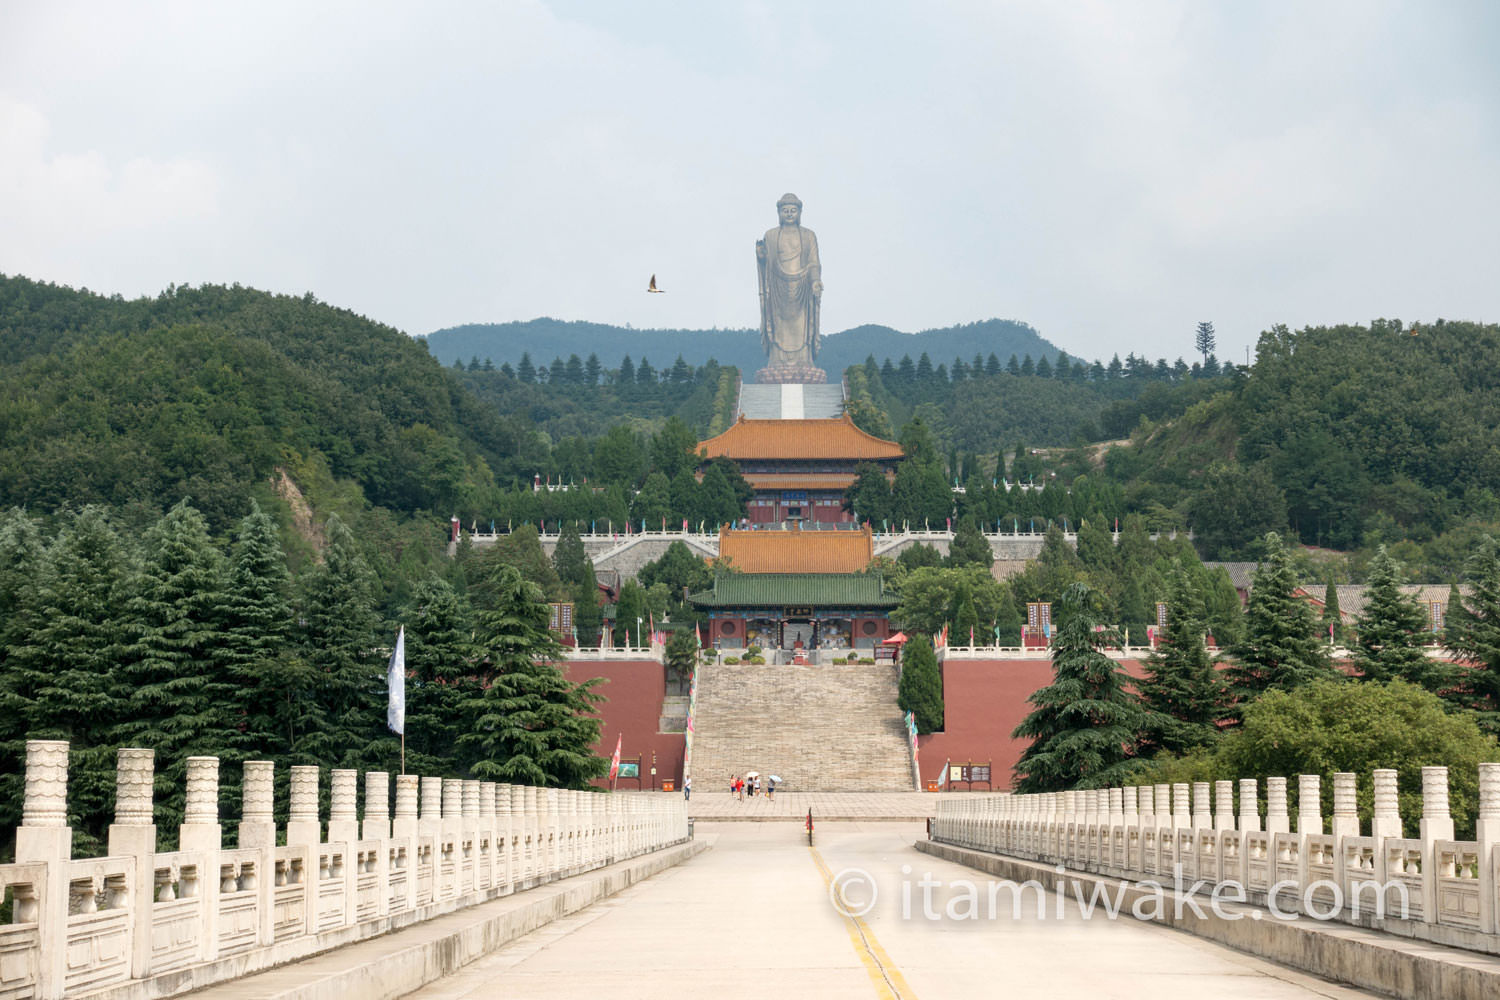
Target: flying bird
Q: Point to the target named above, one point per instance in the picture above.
(652, 287)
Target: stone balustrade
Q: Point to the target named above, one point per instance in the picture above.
(180, 920)
(1431, 887)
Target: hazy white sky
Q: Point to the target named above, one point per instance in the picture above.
(1109, 172)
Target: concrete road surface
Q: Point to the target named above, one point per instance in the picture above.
(754, 918)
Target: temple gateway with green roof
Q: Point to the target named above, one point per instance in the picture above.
(797, 610)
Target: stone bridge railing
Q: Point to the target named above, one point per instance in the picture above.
(169, 922)
(1431, 887)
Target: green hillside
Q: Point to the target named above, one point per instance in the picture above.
(543, 339)
(205, 392)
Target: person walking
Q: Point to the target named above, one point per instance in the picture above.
(687, 789)
(771, 788)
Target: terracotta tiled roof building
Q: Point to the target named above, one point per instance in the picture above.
(800, 469)
(797, 551)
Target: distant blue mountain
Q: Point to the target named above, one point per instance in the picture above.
(545, 339)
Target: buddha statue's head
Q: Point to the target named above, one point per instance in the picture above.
(789, 209)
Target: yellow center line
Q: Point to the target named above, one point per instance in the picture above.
(884, 974)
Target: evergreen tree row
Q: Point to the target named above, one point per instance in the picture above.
(170, 643)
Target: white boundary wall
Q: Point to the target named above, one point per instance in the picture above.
(1430, 887)
(138, 916)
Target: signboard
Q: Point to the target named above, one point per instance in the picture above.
(560, 616)
(1161, 614)
(631, 770)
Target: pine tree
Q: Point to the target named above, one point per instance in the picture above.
(256, 619)
(1182, 683)
(62, 678)
(1203, 340)
(443, 678)
(22, 554)
(969, 546)
(531, 725)
(1008, 620)
(1281, 648)
(1086, 720)
(963, 617)
(1332, 620)
(569, 557)
(182, 697)
(1391, 630)
(1474, 634)
(342, 717)
(920, 691)
(525, 370)
(681, 658)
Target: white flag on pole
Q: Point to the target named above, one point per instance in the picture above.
(395, 683)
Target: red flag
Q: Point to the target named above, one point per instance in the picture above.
(614, 762)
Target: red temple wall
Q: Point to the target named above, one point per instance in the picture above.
(983, 702)
(632, 714)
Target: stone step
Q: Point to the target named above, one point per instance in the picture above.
(820, 727)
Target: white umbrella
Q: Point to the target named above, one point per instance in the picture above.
(776, 778)
(752, 774)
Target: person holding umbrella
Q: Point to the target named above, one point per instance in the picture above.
(771, 787)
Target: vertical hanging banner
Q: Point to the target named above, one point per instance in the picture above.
(395, 685)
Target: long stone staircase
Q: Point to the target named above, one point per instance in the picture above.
(820, 727)
(791, 402)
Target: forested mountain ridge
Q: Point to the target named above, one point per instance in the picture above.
(1352, 436)
(203, 392)
(545, 338)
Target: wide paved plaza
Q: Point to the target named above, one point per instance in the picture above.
(752, 917)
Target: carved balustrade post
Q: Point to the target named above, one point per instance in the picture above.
(343, 815)
(431, 823)
(405, 823)
(1277, 819)
(1345, 822)
(44, 836)
(257, 804)
(1309, 804)
(303, 827)
(1201, 817)
(1249, 821)
(1436, 825)
(133, 835)
(1223, 806)
(1487, 835)
(377, 822)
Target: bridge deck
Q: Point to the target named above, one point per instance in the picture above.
(752, 918)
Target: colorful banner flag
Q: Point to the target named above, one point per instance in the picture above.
(395, 685)
(614, 762)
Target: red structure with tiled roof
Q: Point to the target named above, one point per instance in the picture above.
(796, 551)
(800, 469)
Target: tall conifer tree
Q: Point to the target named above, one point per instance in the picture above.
(1182, 682)
(344, 717)
(531, 725)
(1281, 648)
(1086, 720)
(181, 694)
(1391, 631)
